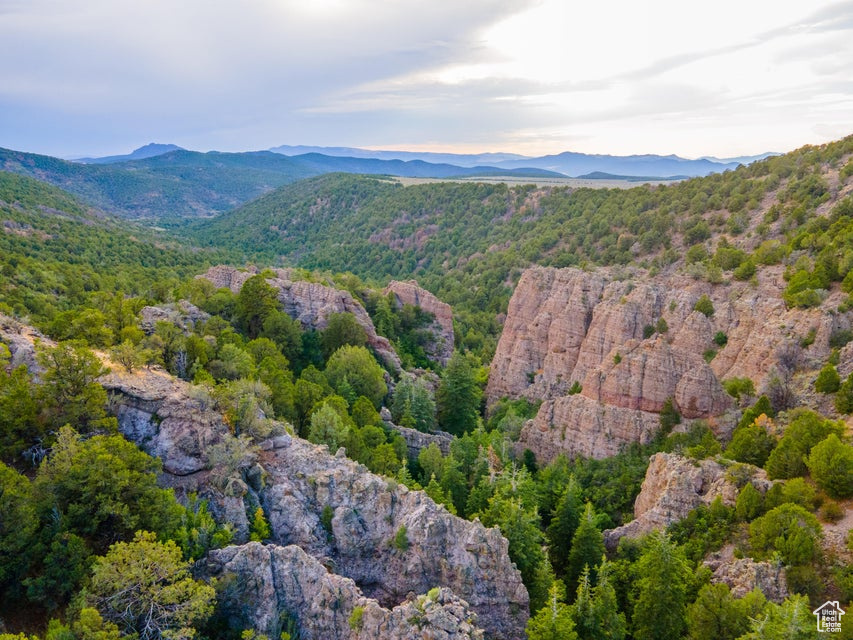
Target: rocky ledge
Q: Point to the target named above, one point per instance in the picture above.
(266, 583)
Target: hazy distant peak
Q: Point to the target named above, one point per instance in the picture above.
(149, 150)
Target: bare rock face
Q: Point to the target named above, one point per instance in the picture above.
(577, 425)
(674, 486)
(567, 326)
(309, 302)
(745, 574)
(442, 328)
(418, 440)
(20, 339)
(271, 581)
(183, 314)
(296, 481)
(368, 513)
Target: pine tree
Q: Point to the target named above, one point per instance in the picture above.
(661, 590)
(553, 621)
(563, 525)
(260, 528)
(458, 396)
(610, 622)
(587, 549)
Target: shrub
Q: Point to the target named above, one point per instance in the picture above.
(704, 305)
(575, 388)
(828, 380)
(721, 339)
(401, 539)
(356, 621)
(831, 465)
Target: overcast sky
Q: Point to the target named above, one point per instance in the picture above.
(723, 78)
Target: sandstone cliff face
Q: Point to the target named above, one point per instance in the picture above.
(418, 440)
(442, 327)
(568, 326)
(183, 315)
(674, 486)
(267, 581)
(309, 302)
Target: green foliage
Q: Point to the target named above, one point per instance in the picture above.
(704, 305)
(554, 620)
(660, 590)
(255, 302)
(326, 517)
(18, 527)
(104, 488)
(401, 539)
(807, 428)
(342, 329)
(354, 366)
(751, 444)
(327, 427)
(789, 530)
(831, 466)
(716, 614)
(144, 587)
(828, 380)
(259, 529)
(750, 503)
(586, 551)
(792, 620)
(413, 404)
(705, 529)
(844, 397)
(458, 396)
(70, 393)
(199, 532)
(669, 416)
(720, 339)
(356, 618)
(564, 523)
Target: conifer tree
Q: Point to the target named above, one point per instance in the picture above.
(563, 525)
(554, 620)
(661, 590)
(587, 549)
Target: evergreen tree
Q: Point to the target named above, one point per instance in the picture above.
(587, 548)
(609, 621)
(563, 525)
(553, 621)
(342, 329)
(828, 380)
(831, 466)
(792, 620)
(458, 397)
(749, 503)
(352, 369)
(438, 495)
(716, 614)
(660, 590)
(255, 302)
(259, 530)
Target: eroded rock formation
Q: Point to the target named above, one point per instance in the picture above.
(408, 292)
(745, 574)
(674, 486)
(266, 581)
(631, 346)
(309, 302)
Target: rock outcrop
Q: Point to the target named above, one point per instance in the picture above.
(183, 314)
(418, 440)
(673, 487)
(300, 485)
(309, 302)
(268, 582)
(408, 292)
(745, 574)
(634, 345)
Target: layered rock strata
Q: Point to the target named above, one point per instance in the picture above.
(632, 346)
(742, 575)
(309, 302)
(268, 582)
(441, 348)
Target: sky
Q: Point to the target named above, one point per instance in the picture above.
(725, 78)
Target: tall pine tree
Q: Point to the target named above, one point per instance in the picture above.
(661, 590)
(564, 523)
(587, 549)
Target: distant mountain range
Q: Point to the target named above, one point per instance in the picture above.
(183, 184)
(568, 163)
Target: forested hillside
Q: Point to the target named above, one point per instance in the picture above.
(468, 242)
(274, 451)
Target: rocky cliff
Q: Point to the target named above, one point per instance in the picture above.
(632, 343)
(388, 541)
(266, 581)
(300, 485)
(441, 348)
(674, 486)
(309, 302)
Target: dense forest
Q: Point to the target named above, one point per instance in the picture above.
(92, 545)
